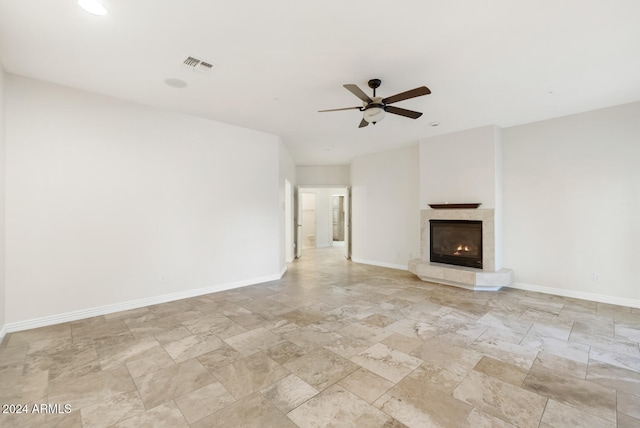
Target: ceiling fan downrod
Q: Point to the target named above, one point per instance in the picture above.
(374, 84)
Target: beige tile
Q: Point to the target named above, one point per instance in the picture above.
(64, 420)
(379, 320)
(222, 356)
(581, 394)
(561, 415)
(281, 326)
(253, 341)
(16, 387)
(440, 354)
(192, 346)
(421, 404)
(154, 359)
(321, 368)
(12, 358)
(59, 331)
(112, 410)
(446, 379)
(500, 399)
(628, 404)
(506, 372)
(510, 324)
(204, 323)
(283, 352)
(227, 328)
(69, 361)
(566, 366)
(175, 334)
(496, 333)
(288, 393)
(366, 384)
(558, 329)
(626, 421)
(389, 363)
(204, 401)
(303, 316)
(614, 377)
(152, 324)
(347, 347)
(252, 411)
(366, 332)
(129, 351)
(460, 324)
(625, 361)
(479, 419)
(414, 329)
(250, 374)
(91, 388)
(311, 337)
(627, 332)
(164, 415)
(337, 407)
(519, 355)
(402, 342)
(172, 382)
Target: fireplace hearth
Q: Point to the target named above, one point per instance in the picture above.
(456, 242)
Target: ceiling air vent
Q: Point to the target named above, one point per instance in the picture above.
(196, 64)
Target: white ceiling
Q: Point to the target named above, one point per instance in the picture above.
(277, 62)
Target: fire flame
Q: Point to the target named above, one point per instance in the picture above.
(461, 248)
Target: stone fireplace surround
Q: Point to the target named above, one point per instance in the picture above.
(485, 279)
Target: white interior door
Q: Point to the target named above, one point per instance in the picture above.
(297, 196)
(347, 223)
(289, 225)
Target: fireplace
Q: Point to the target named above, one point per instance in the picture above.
(456, 242)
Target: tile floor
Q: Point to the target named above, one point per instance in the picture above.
(334, 343)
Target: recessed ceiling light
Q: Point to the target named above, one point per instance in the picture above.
(175, 83)
(94, 7)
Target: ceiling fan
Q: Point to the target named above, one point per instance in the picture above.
(375, 108)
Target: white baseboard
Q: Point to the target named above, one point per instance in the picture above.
(634, 303)
(132, 304)
(3, 332)
(381, 264)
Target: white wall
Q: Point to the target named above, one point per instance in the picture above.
(109, 202)
(465, 167)
(3, 304)
(385, 208)
(459, 167)
(571, 203)
(323, 175)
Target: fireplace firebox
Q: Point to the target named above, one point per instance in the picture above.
(456, 242)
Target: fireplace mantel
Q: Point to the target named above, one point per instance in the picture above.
(490, 277)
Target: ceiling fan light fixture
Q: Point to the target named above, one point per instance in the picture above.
(93, 7)
(374, 114)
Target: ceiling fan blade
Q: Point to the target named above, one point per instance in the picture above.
(340, 109)
(363, 123)
(417, 92)
(403, 112)
(358, 92)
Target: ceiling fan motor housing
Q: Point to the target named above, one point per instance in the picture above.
(374, 111)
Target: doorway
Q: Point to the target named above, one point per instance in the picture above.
(324, 218)
(337, 219)
(309, 222)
